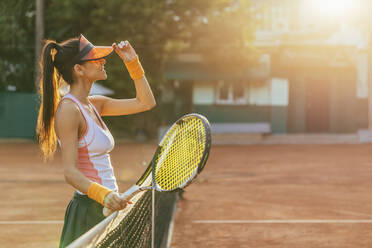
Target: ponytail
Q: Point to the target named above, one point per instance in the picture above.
(55, 67)
(49, 84)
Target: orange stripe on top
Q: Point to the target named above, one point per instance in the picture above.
(86, 166)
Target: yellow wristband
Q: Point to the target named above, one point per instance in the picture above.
(98, 192)
(135, 69)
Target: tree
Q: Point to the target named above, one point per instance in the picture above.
(219, 29)
(17, 32)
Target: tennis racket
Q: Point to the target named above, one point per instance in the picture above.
(180, 157)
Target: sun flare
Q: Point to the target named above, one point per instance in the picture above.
(333, 8)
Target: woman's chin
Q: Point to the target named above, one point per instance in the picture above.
(104, 77)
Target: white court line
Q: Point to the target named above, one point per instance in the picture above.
(31, 222)
(280, 221)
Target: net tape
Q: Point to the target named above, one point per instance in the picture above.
(132, 227)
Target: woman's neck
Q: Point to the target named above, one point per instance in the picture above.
(81, 90)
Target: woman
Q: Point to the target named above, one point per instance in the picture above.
(75, 122)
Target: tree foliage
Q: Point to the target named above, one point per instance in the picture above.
(17, 50)
(219, 29)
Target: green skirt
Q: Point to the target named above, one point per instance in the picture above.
(82, 214)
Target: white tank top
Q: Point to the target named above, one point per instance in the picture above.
(94, 148)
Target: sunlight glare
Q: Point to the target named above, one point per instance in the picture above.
(333, 8)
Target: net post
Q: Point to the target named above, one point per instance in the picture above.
(153, 219)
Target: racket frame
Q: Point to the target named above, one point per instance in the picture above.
(203, 159)
(135, 189)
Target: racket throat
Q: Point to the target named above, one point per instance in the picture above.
(132, 191)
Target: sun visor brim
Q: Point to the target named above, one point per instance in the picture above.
(87, 51)
(98, 52)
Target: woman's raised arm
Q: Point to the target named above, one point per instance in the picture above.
(144, 97)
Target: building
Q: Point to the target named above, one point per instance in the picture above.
(312, 76)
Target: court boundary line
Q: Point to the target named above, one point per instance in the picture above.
(282, 221)
(308, 221)
(31, 222)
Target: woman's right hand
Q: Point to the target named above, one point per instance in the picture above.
(114, 202)
(125, 51)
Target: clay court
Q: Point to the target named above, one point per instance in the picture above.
(247, 196)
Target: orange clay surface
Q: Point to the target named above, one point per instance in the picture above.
(240, 183)
(279, 182)
(35, 191)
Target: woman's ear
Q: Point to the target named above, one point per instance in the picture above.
(78, 70)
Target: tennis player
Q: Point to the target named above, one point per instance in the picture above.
(75, 123)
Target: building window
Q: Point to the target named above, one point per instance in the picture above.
(231, 93)
(224, 91)
(271, 92)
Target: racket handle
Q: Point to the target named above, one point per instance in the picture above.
(107, 211)
(125, 196)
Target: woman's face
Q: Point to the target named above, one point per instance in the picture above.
(94, 70)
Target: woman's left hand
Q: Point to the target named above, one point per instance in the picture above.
(125, 51)
(114, 202)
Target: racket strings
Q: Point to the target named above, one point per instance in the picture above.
(181, 154)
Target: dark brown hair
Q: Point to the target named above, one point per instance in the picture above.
(56, 66)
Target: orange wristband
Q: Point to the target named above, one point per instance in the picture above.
(135, 69)
(98, 192)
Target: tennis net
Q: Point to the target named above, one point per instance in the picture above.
(132, 226)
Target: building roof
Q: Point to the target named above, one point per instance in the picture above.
(197, 70)
(96, 89)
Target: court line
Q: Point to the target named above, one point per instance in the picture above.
(41, 181)
(281, 221)
(31, 222)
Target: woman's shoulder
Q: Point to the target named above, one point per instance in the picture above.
(98, 101)
(67, 108)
